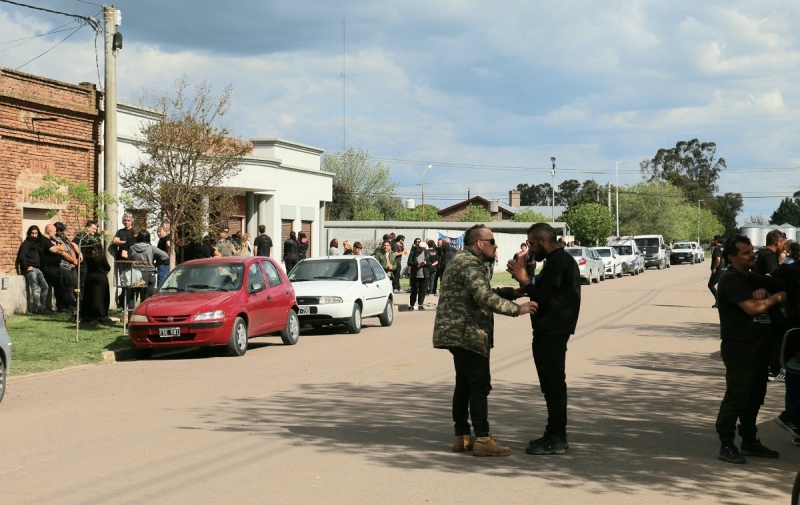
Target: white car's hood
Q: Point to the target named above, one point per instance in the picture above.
(323, 288)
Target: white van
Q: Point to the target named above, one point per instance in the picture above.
(628, 251)
(654, 250)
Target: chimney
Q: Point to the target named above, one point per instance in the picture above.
(513, 198)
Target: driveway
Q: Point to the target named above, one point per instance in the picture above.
(365, 419)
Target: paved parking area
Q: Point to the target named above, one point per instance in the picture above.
(345, 419)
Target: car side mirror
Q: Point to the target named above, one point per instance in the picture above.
(256, 287)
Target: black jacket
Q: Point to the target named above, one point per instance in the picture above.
(290, 251)
(28, 254)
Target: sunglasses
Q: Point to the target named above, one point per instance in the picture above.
(490, 240)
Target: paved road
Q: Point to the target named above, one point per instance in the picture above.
(364, 419)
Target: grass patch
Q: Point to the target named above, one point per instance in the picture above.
(47, 342)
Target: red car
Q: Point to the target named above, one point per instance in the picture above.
(217, 302)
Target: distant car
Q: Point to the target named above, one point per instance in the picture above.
(589, 263)
(5, 353)
(683, 252)
(611, 261)
(632, 261)
(342, 290)
(220, 301)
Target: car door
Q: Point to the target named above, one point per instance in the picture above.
(279, 296)
(370, 290)
(258, 300)
(383, 282)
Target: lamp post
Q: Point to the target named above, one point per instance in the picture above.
(698, 220)
(423, 190)
(553, 185)
(616, 172)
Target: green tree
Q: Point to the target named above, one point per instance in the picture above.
(475, 213)
(590, 223)
(590, 192)
(188, 155)
(359, 183)
(690, 165)
(726, 208)
(566, 191)
(538, 194)
(787, 212)
(367, 214)
(431, 214)
(530, 216)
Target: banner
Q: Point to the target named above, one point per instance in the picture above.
(456, 243)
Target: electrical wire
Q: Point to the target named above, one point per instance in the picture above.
(90, 21)
(58, 44)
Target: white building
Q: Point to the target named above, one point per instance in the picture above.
(280, 185)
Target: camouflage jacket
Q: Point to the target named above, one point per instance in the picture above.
(467, 303)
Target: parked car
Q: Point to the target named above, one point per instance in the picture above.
(632, 262)
(652, 250)
(5, 353)
(701, 254)
(589, 263)
(338, 290)
(683, 252)
(220, 301)
(611, 261)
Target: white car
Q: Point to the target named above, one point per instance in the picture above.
(589, 263)
(632, 260)
(5, 353)
(685, 251)
(611, 261)
(335, 290)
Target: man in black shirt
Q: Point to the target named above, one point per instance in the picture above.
(717, 268)
(263, 243)
(766, 263)
(746, 332)
(558, 293)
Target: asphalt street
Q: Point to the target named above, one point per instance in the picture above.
(365, 419)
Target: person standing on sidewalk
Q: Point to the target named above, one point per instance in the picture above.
(717, 268)
(557, 293)
(747, 335)
(418, 274)
(464, 325)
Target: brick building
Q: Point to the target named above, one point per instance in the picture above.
(46, 127)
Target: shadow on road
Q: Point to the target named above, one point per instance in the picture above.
(654, 430)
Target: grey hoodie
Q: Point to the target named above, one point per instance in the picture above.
(142, 251)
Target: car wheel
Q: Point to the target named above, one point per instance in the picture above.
(354, 324)
(143, 353)
(387, 316)
(291, 332)
(661, 265)
(2, 378)
(237, 345)
(691, 262)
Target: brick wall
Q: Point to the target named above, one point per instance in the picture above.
(46, 127)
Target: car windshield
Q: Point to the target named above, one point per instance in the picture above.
(646, 242)
(326, 269)
(204, 277)
(682, 245)
(624, 250)
(574, 252)
(605, 253)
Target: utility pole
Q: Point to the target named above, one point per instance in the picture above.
(110, 177)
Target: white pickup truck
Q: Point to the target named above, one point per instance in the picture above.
(686, 251)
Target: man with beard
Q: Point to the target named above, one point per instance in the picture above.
(558, 295)
(465, 326)
(30, 266)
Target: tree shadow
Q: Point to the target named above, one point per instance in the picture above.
(653, 430)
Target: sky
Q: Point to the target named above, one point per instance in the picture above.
(484, 92)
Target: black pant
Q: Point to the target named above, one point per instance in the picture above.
(398, 273)
(471, 395)
(714, 280)
(549, 356)
(433, 282)
(290, 265)
(745, 389)
(419, 286)
(53, 277)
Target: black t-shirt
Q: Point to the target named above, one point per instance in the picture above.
(162, 242)
(127, 236)
(766, 261)
(717, 253)
(264, 244)
(742, 334)
(50, 261)
(558, 293)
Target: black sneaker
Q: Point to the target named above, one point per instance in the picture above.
(756, 448)
(777, 377)
(731, 454)
(548, 444)
(788, 425)
(421, 307)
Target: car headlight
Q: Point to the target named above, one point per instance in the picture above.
(138, 318)
(203, 316)
(329, 299)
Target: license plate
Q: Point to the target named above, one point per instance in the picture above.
(169, 332)
(305, 309)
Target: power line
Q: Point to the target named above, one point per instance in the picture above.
(91, 22)
(58, 44)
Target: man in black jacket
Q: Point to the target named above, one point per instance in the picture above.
(30, 267)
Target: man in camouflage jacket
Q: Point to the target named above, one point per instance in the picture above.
(464, 325)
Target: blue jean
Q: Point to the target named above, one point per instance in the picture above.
(163, 270)
(39, 288)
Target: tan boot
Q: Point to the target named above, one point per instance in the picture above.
(488, 446)
(463, 443)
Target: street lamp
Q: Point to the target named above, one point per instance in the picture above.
(698, 221)
(616, 171)
(423, 190)
(553, 185)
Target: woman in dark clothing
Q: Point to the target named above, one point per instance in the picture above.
(302, 245)
(433, 268)
(96, 296)
(291, 254)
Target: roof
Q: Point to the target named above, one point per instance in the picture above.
(501, 207)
